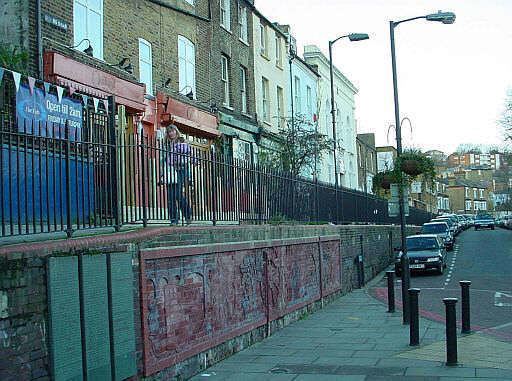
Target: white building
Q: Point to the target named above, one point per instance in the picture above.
(270, 77)
(344, 91)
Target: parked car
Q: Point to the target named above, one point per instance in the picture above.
(507, 222)
(451, 224)
(442, 230)
(484, 221)
(426, 252)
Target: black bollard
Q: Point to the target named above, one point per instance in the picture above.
(404, 262)
(466, 320)
(391, 290)
(414, 321)
(451, 331)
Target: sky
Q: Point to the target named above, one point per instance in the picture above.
(452, 79)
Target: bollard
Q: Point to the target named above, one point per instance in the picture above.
(451, 331)
(466, 320)
(404, 262)
(414, 321)
(391, 290)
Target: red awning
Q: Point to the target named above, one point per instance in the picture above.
(93, 81)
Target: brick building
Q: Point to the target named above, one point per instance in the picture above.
(468, 196)
(492, 160)
(366, 161)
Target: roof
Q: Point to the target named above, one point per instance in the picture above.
(470, 184)
(435, 223)
(423, 236)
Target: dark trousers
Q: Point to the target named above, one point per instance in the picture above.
(176, 200)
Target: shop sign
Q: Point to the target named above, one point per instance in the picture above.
(43, 114)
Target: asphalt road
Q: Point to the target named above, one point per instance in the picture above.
(485, 258)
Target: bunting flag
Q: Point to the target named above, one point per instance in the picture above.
(96, 101)
(31, 83)
(17, 78)
(1, 74)
(46, 87)
(105, 104)
(60, 91)
(71, 90)
(85, 99)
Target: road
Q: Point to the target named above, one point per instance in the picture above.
(485, 258)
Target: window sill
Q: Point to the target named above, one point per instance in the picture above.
(244, 42)
(280, 67)
(247, 115)
(228, 107)
(226, 29)
(267, 123)
(265, 56)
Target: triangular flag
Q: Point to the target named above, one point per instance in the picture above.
(31, 83)
(85, 99)
(96, 102)
(60, 91)
(46, 87)
(17, 78)
(1, 74)
(105, 104)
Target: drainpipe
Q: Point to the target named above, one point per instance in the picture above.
(39, 40)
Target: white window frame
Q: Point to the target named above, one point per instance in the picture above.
(279, 52)
(466, 192)
(263, 40)
(79, 35)
(265, 99)
(309, 102)
(280, 106)
(475, 195)
(481, 193)
(225, 80)
(191, 2)
(243, 89)
(184, 62)
(225, 14)
(243, 24)
(149, 83)
(297, 94)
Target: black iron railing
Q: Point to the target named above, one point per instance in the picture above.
(56, 178)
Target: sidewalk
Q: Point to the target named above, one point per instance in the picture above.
(355, 339)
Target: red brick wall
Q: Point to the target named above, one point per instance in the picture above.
(195, 298)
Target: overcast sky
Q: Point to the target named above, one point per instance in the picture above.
(452, 79)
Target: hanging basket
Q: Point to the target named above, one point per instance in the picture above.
(411, 167)
(386, 182)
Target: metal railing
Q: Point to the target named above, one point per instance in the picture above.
(56, 178)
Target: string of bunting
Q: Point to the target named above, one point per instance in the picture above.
(47, 86)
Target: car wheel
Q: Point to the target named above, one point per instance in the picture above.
(492, 227)
(476, 228)
(398, 273)
(440, 270)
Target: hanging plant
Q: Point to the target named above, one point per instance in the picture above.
(383, 180)
(415, 163)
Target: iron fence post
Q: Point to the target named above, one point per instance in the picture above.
(214, 187)
(113, 161)
(143, 185)
(69, 223)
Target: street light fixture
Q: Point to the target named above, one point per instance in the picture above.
(352, 37)
(445, 18)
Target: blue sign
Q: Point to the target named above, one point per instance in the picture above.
(43, 115)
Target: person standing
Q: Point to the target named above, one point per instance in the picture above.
(175, 157)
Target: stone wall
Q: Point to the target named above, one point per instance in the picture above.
(25, 342)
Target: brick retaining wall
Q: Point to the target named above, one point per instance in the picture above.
(24, 311)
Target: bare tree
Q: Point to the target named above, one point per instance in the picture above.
(506, 117)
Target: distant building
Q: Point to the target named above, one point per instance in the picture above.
(468, 196)
(492, 160)
(386, 158)
(437, 156)
(366, 161)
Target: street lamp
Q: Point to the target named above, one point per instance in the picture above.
(445, 18)
(352, 37)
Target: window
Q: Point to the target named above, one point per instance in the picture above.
(265, 99)
(88, 23)
(308, 102)
(279, 52)
(481, 193)
(263, 40)
(187, 66)
(280, 106)
(242, 23)
(146, 65)
(474, 193)
(243, 88)
(191, 2)
(225, 81)
(468, 205)
(298, 108)
(467, 191)
(225, 14)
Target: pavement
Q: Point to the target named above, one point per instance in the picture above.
(355, 339)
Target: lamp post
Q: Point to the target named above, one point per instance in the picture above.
(351, 37)
(445, 18)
